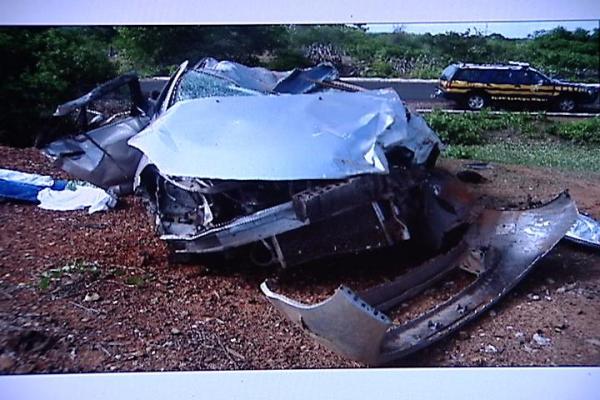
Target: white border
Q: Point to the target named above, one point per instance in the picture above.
(472, 383)
(223, 12)
(377, 384)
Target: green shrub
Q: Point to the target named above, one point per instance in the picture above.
(43, 67)
(462, 129)
(469, 128)
(286, 60)
(586, 131)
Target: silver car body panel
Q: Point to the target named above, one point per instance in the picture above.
(501, 247)
(585, 231)
(331, 135)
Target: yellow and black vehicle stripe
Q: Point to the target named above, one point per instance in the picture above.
(502, 91)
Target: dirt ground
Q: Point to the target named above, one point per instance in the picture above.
(83, 292)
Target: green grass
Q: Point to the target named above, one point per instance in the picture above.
(519, 138)
(78, 267)
(562, 156)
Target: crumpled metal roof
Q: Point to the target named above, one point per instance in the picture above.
(331, 135)
(264, 80)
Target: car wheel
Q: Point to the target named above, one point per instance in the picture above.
(476, 101)
(566, 104)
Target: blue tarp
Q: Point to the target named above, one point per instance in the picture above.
(21, 186)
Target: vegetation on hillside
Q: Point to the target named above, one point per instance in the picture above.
(43, 67)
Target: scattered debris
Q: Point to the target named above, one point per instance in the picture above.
(585, 232)
(490, 349)
(478, 165)
(91, 297)
(175, 331)
(51, 194)
(540, 339)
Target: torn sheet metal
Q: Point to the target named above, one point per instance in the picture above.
(101, 156)
(247, 229)
(504, 244)
(130, 79)
(263, 80)
(330, 319)
(314, 136)
(585, 231)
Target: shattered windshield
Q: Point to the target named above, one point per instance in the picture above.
(197, 84)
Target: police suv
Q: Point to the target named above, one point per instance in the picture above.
(476, 86)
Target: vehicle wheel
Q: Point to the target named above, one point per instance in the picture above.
(476, 101)
(566, 104)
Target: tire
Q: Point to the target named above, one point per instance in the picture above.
(476, 101)
(566, 104)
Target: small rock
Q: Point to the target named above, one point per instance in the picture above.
(519, 335)
(490, 349)
(533, 297)
(91, 297)
(561, 327)
(493, 313)
(550, 281)
(541, 340)
(548, 298)
(175, 331)
(561, 289)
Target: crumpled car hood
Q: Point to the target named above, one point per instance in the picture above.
(332, 135)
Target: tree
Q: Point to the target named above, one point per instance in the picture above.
(43, 67)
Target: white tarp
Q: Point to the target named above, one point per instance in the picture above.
(329, 135)
(24, 177)
(78, 199)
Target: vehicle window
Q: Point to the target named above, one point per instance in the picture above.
(471, 75)
(197, 84)
(536, 78)
(448, 72)
(116, 102)
(503, 76)
(524, 77)
(489, 76)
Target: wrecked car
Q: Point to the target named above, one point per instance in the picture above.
(293, 167)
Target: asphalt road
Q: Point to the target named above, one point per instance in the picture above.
(407, 90)
(416, 91)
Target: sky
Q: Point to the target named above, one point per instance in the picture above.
(506, 29)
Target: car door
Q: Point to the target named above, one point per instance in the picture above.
(541, 88)
(95, 148)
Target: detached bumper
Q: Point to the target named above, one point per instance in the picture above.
(501, 247)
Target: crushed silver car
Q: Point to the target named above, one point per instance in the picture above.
(287, 168)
